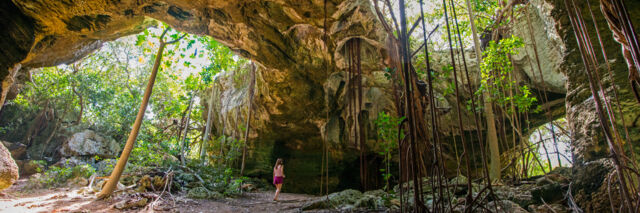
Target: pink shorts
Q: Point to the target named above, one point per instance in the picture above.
(278, 180)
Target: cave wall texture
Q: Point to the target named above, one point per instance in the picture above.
(301, 77)
(589, 147)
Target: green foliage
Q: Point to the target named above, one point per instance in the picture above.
(40, 164)
(108, 86)
(146, 154)
(105, 89)
(442, 77)
(215, 179)
(58, 176)
(388, 131)
(497, 78)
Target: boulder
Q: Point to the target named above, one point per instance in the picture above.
(8, 168)
(370, 202)
(70, 162)
(89, 143)
(340, 200)
(505, 206)
(548, 193)
(520, 195)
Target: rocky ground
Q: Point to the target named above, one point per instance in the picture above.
(545, 194)
(15, 199)
(150, 194)
(540, 194)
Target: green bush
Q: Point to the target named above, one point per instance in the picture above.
(57, 176)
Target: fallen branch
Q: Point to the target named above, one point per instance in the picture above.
(167, 184)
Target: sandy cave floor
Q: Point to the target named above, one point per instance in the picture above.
(18, 199)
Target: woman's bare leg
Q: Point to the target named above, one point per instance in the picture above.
(278, 186)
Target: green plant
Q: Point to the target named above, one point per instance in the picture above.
(497, 80)
(40, 164)
(56, 176)
(146, 154)
(387, 128)
(235, 186)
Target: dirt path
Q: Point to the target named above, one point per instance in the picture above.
(15, 199)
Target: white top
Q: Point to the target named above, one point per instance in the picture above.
(278, 171)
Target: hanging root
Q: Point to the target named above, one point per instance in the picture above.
(635, 86)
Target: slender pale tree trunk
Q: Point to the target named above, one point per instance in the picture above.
(122, 162)
(492, 136)
(186, 129)
(80, 99)
(223, 140)
(252, 85)
(207, 129)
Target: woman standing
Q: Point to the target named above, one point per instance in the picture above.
(278, 177)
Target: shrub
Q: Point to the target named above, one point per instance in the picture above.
(57, 176)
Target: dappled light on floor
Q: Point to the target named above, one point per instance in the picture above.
(59, 200)
(17, 199)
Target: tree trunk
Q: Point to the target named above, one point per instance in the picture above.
(203, 147)
(492, 136)
(122, 162)
(252, 85)
(186, 129)
(80, 99)
(223, 140)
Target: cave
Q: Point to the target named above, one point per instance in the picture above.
(299, 56)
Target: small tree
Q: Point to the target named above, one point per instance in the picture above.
(122, 162)
(498, 86)
(387, 126)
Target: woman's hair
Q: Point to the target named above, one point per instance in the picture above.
(278, 162)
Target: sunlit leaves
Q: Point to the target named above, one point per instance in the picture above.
(112, 80)
(497, 77)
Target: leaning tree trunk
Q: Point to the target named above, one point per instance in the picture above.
(207, 129)
(122, 162)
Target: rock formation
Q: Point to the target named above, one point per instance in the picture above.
(589, 148)
(8, 168)
(301, 72)
(89, 143)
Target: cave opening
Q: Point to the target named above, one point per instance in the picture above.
(371, 108)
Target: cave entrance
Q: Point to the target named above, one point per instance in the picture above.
(79, 114)
(552, 152)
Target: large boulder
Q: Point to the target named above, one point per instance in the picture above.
(335, 200)
(89, 143)
(8, 168)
